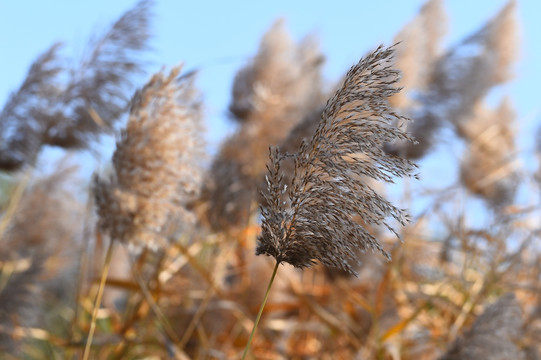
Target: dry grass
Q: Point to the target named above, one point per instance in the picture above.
(458, 287)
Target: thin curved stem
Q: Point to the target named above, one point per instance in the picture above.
(247, 348)
(99, 297)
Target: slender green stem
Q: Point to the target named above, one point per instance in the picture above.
(15, 199)
(99, 297)
(247, 348)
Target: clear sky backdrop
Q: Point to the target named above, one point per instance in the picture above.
(219, 37)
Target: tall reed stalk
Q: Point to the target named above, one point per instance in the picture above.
(314, 217)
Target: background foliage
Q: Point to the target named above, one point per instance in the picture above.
(463, 283)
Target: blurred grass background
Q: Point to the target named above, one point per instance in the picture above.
(463, 284)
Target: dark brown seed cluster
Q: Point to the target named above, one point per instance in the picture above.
(319, 215)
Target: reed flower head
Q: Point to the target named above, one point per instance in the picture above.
(459, 79)
(489, 167)
(68, 108)
(314, 217)
(270, 94)
(492, 335)
(39, 249)
(156, 164)
(421, 38)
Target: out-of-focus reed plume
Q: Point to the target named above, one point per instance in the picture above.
(312, 218)
(471, 69)
(280, 68)
(489, 168)
(157, 164)
(462, 77)
(420, 48)
(416, 56)
(492, 335)
(19, 130)
(70, 107)
(98, 91)
(39, 253)
(270, 95)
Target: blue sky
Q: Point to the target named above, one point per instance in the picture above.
(219, 36)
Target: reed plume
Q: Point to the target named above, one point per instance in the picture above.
(156, 164)
(98, 90)
(280, 68)
(466, 79)
(421, 48)
(492, 335)
(156, 172)
(270, 95)
(459, 79)
(489, 167)
(69, 108)
(312, 218)
(21, 113)
(38, 254)
(416, 59)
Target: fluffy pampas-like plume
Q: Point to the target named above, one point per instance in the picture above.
(314, 217)
(459, 79)
(489, 168)
(39, 253)
(492, 334)
(271, 94)
(156, 164)
(68, 108)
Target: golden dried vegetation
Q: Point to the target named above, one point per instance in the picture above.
(154, 256)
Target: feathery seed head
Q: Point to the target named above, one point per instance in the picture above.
(492, 335)
(271, 94)
(156, 163)
(66, 107)
(313, 217)
(489, 168)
